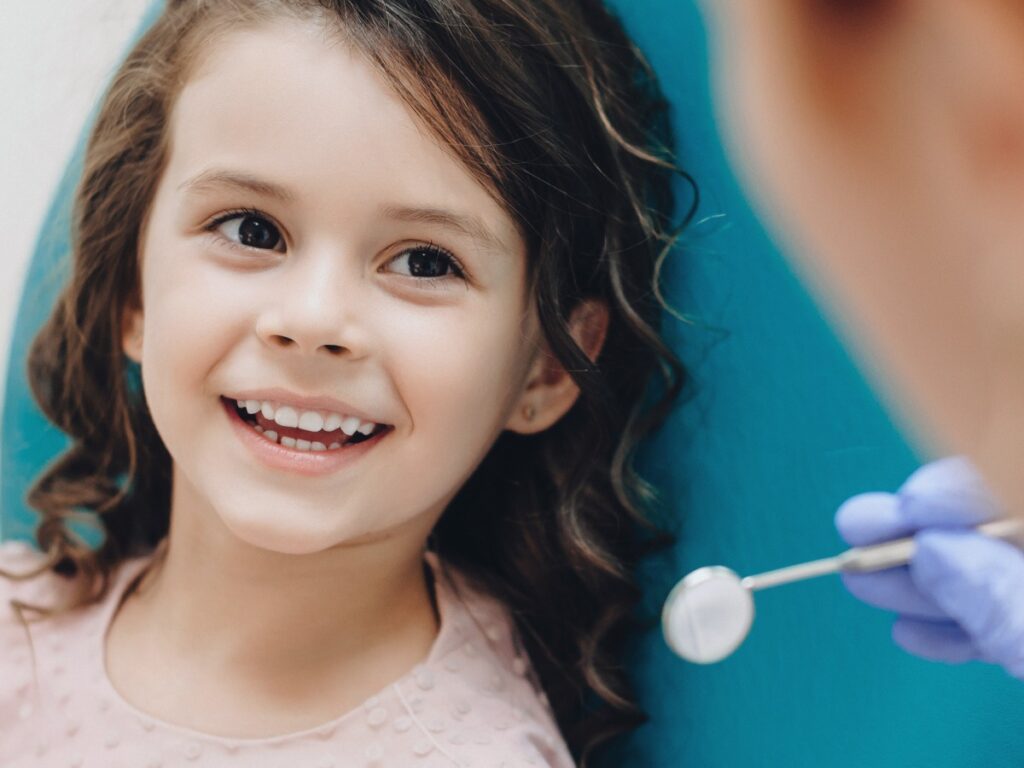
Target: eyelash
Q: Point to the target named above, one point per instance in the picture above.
(430, 247)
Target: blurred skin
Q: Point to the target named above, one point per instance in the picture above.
(331, 564)
(884, 140)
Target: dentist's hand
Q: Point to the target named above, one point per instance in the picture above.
(961, 597)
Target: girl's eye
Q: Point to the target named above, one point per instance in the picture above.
(250, 229)
(431, 262)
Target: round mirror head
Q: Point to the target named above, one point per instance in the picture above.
(707, 615)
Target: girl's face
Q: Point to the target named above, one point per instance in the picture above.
(309, 235)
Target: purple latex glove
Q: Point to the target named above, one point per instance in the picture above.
(961, 597)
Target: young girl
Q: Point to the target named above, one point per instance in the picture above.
(363, 312)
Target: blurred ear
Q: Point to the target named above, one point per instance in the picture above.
(928, 97)
(979, 54)
(550, 391)
(901, 83)
(131, 340)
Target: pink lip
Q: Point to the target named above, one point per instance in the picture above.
(309, 463)
(317, 403)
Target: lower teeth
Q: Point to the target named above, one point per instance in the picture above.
(291, 442)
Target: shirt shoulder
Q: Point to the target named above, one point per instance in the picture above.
(17, 630)
(477, 696)
(20, 558)
(47, 661)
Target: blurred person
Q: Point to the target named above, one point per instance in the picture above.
(883, 141)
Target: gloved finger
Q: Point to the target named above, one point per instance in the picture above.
(893, 590)
(947, 492)
(870, 518)
(978, 581)
(934, 640)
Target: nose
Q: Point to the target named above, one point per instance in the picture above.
(312, 308)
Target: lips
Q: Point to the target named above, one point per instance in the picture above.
(311, 463)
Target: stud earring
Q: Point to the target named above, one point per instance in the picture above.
(528, 412)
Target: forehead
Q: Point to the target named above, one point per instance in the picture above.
(288, 102)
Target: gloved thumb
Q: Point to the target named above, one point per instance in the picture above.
(979, 582)
(946, 492)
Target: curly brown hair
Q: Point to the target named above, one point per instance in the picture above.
(555, 110)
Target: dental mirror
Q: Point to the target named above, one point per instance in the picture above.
(709, 613)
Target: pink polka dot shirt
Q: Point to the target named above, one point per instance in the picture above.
(472, 702)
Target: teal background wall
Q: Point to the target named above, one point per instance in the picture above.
(780, 430)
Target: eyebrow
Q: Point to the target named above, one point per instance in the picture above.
(468, 225)
(215, 178)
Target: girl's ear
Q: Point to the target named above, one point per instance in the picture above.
(550, 391)
(131, 341)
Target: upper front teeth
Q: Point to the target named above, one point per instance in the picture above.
(311, 421)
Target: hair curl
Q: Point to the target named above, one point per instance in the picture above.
(554, 109)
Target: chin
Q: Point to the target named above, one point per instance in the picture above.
(286, 536)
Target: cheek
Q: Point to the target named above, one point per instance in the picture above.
(188, 307)
(192, 315)
(895, 280)
(882, 244)
(457, 372)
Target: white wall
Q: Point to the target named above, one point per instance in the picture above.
(56, 57)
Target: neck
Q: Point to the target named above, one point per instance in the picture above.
(354, 613)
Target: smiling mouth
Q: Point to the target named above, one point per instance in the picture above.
(301, 439)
